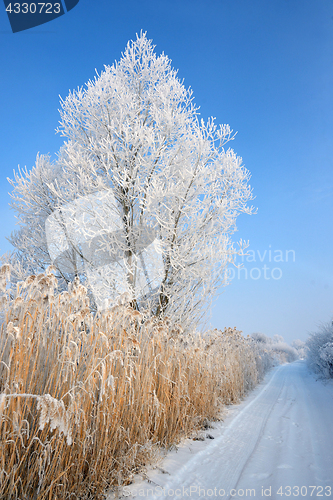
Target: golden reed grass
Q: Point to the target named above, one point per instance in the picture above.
(86, 399)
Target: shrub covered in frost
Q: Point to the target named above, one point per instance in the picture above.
(261, 338)
(275, 348)
(285, 352)
(300, 347)
(320, 351)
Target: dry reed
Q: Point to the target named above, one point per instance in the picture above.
(85, 400)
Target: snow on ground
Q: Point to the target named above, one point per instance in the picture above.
(277, 443)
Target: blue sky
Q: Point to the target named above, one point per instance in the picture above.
(265, 67)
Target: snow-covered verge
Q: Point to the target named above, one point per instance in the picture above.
(277, 443)
(319, 348)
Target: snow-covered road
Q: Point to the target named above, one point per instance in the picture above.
(277, 443)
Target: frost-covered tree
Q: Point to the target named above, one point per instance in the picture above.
(143, 198)
(261, 338)
(276, 347)
(33, 201)
(299, 346)
(285, 352)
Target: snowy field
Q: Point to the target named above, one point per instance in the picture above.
(277, 443)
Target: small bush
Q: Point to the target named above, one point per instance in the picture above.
(285, 352)
(299, 346)
(319, 348)
(276, 348)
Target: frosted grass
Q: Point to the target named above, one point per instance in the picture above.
(86, 400)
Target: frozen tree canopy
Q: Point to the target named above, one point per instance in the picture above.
(143, 198)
